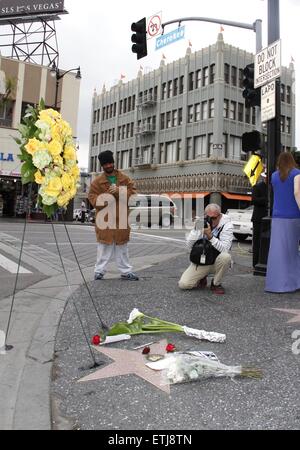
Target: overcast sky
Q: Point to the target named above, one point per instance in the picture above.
(96, 35)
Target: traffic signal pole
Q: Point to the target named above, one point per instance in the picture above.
(273, 144)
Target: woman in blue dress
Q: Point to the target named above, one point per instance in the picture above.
(283, 269)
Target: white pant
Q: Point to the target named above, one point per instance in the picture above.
(105, 252)
(194, 274)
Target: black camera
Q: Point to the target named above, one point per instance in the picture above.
(207, 221)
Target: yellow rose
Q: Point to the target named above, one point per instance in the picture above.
(72, 192)
(70, 153)
(67, 181)
(63, 199)
(75, 172)
(58, 161)
(54, 148)
(33, 146)
(54, 187)
(39, 179)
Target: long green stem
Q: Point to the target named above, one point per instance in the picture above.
(162, 321)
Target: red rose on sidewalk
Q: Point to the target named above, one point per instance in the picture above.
(96, 339)
(170, 348)
(146, 350)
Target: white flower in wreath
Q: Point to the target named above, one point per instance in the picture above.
(41, 159)
(47, 199)
(45, 134)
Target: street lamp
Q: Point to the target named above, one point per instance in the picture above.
(56, 73)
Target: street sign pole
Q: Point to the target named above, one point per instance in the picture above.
(273, 143)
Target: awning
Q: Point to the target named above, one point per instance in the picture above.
(187, 194)
(246, 198)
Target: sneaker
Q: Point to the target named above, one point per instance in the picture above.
(201, 283)
(130, 276)
(219, 290)
(98, 276)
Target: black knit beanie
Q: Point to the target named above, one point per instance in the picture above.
(106, 157)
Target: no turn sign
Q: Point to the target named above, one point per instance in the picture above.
(154, 25)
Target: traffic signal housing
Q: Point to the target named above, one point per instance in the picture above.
(139, 37)
(250, 94)
(252, 141)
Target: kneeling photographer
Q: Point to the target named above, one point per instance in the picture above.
(209, 244)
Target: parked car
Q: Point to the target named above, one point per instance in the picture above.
(241, 220)
(152, 209)
(77, 214)
(91, 215)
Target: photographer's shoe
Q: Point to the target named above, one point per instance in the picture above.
(130, 276)
(201, 283)
(219, 290)
(98, 276)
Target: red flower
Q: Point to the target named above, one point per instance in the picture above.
(96, 339)
(170, 348)
(146, 350)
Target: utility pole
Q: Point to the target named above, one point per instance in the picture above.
(273, 143)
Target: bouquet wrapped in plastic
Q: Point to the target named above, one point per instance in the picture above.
(183, 367)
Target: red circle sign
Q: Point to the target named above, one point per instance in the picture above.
(154, 25)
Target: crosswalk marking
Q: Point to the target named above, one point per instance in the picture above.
(11, 266)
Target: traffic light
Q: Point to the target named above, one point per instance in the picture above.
(252, 141)
(139, 38)
(250, 94)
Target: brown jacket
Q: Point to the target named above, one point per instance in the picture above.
(100, 186)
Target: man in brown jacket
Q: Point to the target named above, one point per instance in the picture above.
(109, 194)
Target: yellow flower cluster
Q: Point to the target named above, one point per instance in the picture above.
(54, 156)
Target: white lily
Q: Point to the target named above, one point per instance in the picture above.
(134, 314)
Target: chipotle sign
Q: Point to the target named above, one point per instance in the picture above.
(10, 8)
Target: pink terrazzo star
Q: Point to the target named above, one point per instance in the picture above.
(130, 362)
(296, 313)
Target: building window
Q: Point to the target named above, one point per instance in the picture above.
(103, 113)
(179, 150)
(241, 78)
(180, 116)
(247, 115)
(175, 87)
(288, 94)
(233, 75)
(128, 131)
(102, 138)
(113, 135)
(205, 76)
(200, 144)
(226, 73)
(129, 103)
(240, 112)
(190, 114)
(133, 102)
(170, 87)
(171, 150)
(162, 121)
(225, 145)
(198, 78)
(212, 73)
(210, 144)
(282, 124)
(288, 125)
(163, 91)
(168, 121)
(226, 109)
(197, 112)
(211, 108)
(282, 92)
(123, 131)
(125, 159)
(204, 110)
(189, 149)
(191, 81)
(174, 118)
(121, 107)
(161, 153)
(235, 147)
(232, 112)
(181, 84)
(94, 119)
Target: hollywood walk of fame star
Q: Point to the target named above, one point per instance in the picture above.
(296, 313)
(130, 362)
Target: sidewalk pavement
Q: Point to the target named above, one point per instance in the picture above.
(40, 375)
(258, 334)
